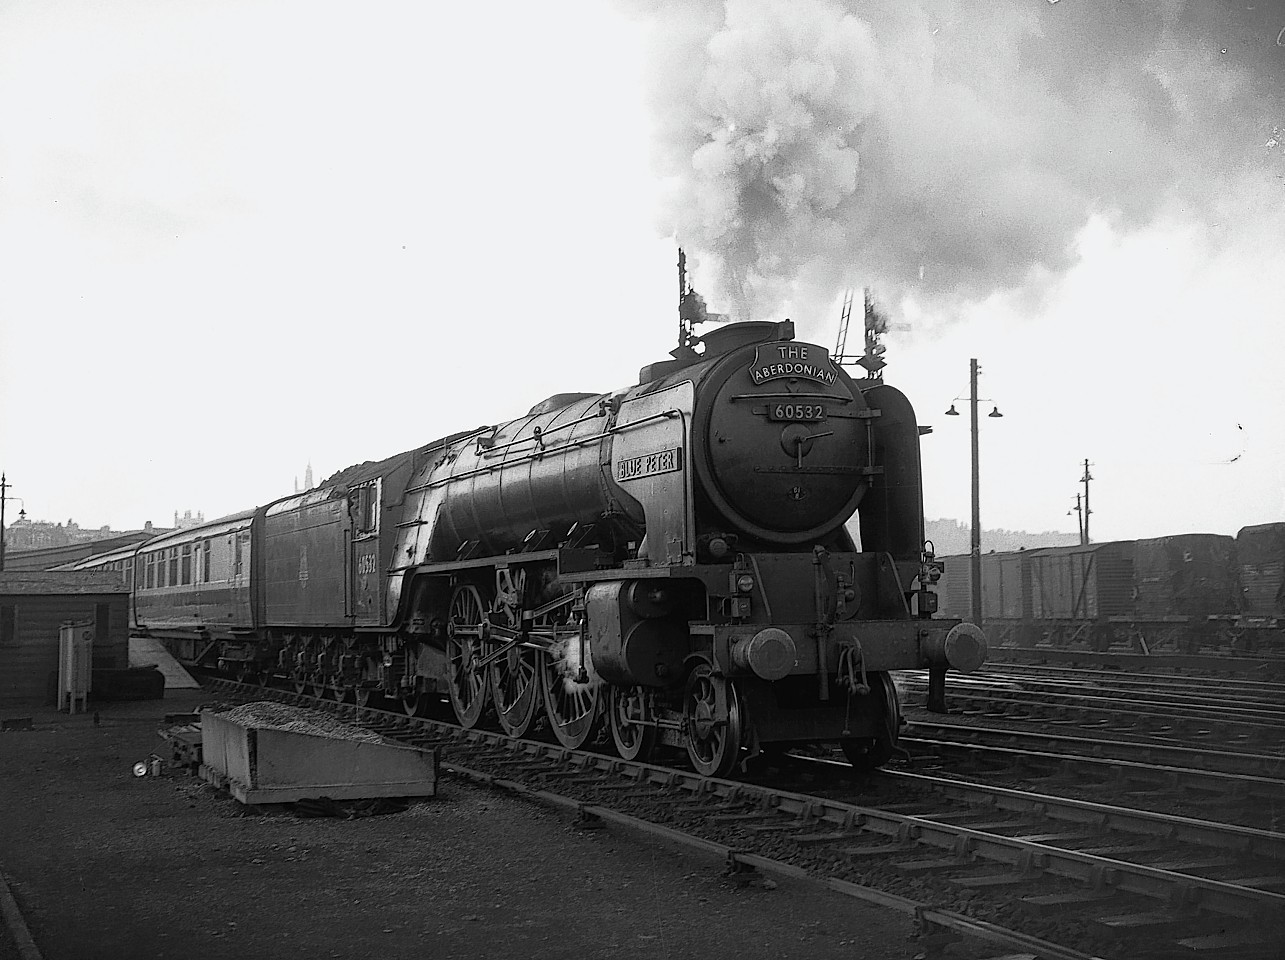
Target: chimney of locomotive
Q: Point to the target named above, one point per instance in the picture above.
(691, 311)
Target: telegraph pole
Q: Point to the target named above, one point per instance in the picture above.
(3, 487)
(1084, 533)
(975, 551)
(937, 677)
(975, 548)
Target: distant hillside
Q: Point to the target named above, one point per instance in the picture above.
(950, 537)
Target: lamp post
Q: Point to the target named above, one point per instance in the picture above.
(3, 487)
(22, 515)
(1078, 510)
(975, 553)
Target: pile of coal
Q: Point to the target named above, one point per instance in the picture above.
(266, 715)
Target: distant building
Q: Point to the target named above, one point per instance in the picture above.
(952, 537)
(187, 520)
(24, 534)
(41, 545)
(50, 558)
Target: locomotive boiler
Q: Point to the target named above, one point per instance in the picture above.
(668, 564)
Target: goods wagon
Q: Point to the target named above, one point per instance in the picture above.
(1260, 567)
(1177, 593)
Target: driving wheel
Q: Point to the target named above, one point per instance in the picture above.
(571, 695)
(466, 680)
(633, 723)
(515, 687)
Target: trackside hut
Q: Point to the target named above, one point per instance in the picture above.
(34, 604)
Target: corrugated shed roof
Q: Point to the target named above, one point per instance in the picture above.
(51, 583)
(46, 558)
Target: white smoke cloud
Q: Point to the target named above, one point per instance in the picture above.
(942, 150)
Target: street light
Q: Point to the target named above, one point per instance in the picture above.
(976, 535)
(1078, 510)
(3, 487)
(22, 515)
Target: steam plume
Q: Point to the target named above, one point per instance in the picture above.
(947, 149)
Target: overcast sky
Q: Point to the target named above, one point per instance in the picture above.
(236, 238)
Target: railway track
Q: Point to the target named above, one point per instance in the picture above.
(927, 734)
(1246, 688)
(1172, 717)
(1037, 873)
(1245, 799)
(1202, 664)
(1184, 706)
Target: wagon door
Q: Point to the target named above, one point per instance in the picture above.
(366, 572)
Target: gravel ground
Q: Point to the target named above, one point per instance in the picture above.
(106, 865)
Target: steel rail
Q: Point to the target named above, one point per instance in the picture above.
(16, 925)
(1191, 758)
(1273, 665)
(1189, 707)
(1245, 783)
(923, 913)
(1050, 703)
(1268, 706)
(1269, 696)
(1032, 856)
(1035, 857)
(1197, 684)
(964, 843)
(1144, 823)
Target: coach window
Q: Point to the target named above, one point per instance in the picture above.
(205, 562)
(172, 579)
(186, 576)
(149, 571)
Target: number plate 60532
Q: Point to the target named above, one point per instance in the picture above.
(796, 411)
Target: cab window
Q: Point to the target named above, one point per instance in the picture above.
(365, 509)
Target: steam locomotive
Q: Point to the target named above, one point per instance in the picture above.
(667, 563)
(1178, 593)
